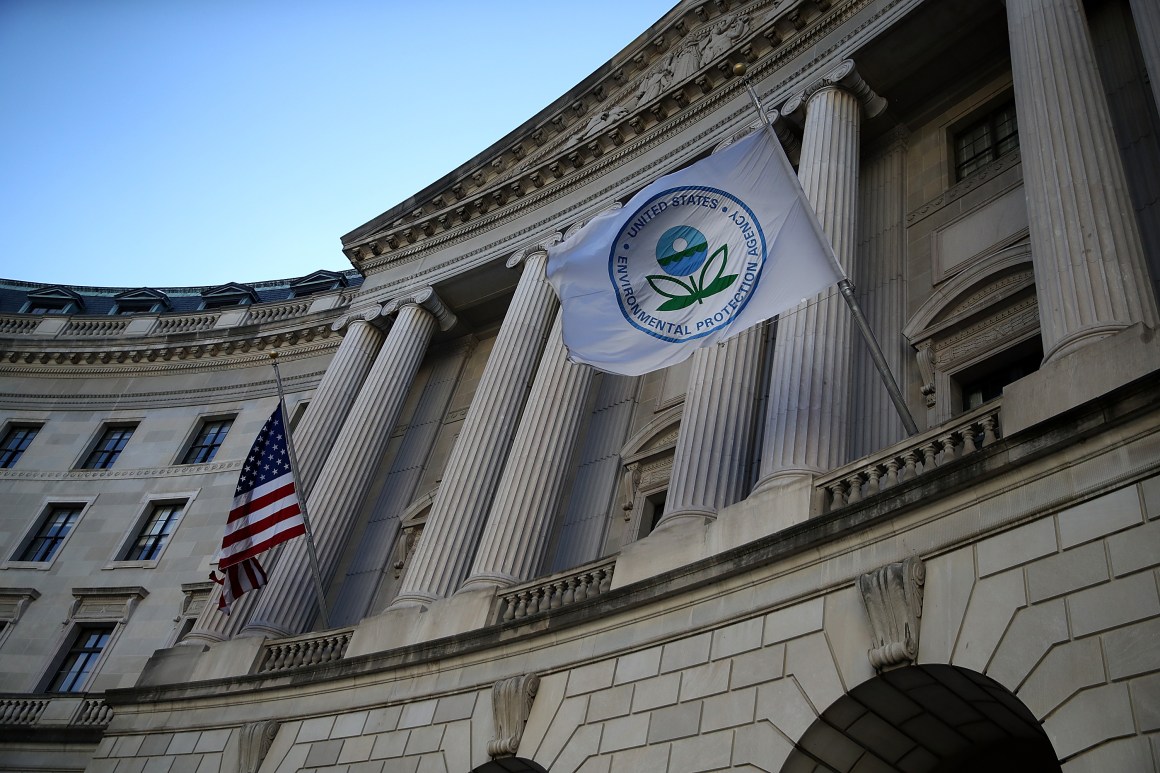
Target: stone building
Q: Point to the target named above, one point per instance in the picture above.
(742, 562)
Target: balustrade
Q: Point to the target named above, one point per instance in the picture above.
(557, 591)
(314, 650)
(913, 457)
(27, 711)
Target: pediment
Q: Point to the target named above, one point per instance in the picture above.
(229, 293)
(658, 436)
(55, 293)
(142, 294)
(319, 281)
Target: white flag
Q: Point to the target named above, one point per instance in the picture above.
(694, 258)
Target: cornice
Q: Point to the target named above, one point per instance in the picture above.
(784, 30)
(584, 208)
(173, 471)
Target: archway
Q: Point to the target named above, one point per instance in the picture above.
(510, 765)
(926, 719)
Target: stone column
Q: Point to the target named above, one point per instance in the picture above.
(287, 606)
(446, 548)
(1090, 275)
(711, 461)
(880, 282)
(519, 526)
(1146, 16)
(314, 434)
(807, 420)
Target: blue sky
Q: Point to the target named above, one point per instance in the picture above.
(194, 142)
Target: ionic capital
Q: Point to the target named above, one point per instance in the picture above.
(365, 314)
(527, 253)
(845, 77)
(424, 297)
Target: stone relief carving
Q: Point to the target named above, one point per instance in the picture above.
(893, 598)
(253, 743)
(511, 703)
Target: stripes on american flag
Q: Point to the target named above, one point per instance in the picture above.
(266, 511)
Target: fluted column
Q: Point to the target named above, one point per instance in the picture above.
(807, 419)
(1146, 17)
(711, 461)
(1090, 275)
(314, 434)
(446, 548)
(519, 525)
(881, 285)
(287, 605)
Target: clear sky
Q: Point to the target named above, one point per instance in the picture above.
(168, 143)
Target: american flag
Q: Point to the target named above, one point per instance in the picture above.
(266, 512)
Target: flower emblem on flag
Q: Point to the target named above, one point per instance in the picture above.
(711, 250)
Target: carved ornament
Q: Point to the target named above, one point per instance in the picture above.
(511, 703)
(893, 598)
(254, 740)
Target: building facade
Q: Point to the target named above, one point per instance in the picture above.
(740, 562)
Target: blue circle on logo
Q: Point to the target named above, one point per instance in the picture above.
(681, 250)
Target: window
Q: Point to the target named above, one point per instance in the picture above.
(155, 533)
(207, 441)
(81, 659)
(51, 534)
(985, 140)
(108, 448)
(16, 440)
(986, 381)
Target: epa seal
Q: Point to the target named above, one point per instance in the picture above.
(686, 262)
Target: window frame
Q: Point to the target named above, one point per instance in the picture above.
(32, 530)
(9, 429)
(146, 509)
(987, 115)
(94, 447)
(78, 631)
(192, 441)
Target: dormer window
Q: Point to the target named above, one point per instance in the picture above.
(143, 300)
(224, 296)
(53, 300)
(318, 282)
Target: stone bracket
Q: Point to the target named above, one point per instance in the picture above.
(893, 598)
(511, 703)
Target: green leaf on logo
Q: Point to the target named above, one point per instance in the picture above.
(652, 280)
(678, 303)
(719, 284)
(723, 251)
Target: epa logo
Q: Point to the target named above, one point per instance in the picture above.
(710, 249)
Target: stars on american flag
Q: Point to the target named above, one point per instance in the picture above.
(268, 458)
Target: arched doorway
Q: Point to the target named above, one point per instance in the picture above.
(926, 719)
(510, 765)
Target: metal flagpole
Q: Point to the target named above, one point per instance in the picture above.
(844, 284)
(313, 554)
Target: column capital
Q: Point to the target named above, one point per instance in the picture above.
(364, 313)
(424, 297)
(527, 253)
(845, 77)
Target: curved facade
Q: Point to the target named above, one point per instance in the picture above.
(740, 562)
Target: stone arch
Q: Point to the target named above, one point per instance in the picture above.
(647, 459)
(933, 718)
(510, 765)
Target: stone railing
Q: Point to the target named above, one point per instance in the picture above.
(21, 325)
(556, 591)
(277, 312)
(185, 323)
(108, 326)
(54, 711)
(962, 436)
(311, 650)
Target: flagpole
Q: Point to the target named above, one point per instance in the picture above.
(310, 549)
(844, 284)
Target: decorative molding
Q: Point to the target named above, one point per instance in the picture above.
(194, 598)
(960, 189)
(174, 471)
(13, 602)
(893, 598)
(105, 604)
(424, 297)
(254, 740)
(511, 703)
(845, 76)
(366, 314)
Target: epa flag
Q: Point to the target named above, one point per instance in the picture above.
(694, 258)
(266, 512)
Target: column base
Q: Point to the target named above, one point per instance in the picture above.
(689, 514)
(785, 477)
(1081, 338)
(467, 610)
(260, 630)
(491, 582)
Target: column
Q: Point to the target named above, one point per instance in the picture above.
(711, 460)
(314, 434)
(1146, 16)
(443, 556)
(807, 419)
(519, 526)
(287, 605)
(880, 281)
(1090, 275)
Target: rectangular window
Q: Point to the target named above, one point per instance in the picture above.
(51, 534)
(108, 448)
(16, 440)
(81, 660)
(155, 533)
(985, 140)
(209, 438)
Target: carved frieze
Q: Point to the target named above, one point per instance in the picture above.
(893, 598)
(511, 703)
